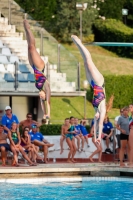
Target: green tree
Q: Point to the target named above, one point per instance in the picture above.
(111, 8)
(67, 19)
(60, 17)
(38, 9)
(129, 5)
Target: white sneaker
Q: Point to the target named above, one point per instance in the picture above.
(83, 150)
(79, 150)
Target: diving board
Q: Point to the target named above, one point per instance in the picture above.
(118, 44)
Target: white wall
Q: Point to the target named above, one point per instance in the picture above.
(20, 107)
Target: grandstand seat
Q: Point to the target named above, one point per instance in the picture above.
(7, 86)
(31, 77)
(2, 69)
(2, 78)
(6, 51)
(4, 60)
(21, 78)
(11, 68)
(8, 77)
(23, 68)
(14, 59)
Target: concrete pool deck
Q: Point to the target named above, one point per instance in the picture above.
(66, 169)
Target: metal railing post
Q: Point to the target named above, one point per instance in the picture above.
(41, 42)
(85, 106)
(25, 15)
(78, 76)
(9, 12)
(80, 13)
(16, 76)
(58, 57)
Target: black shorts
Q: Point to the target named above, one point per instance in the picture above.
(104, 138)
(7, 146)
(124, 136)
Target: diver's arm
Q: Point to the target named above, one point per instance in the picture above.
(48, 95)
(43, 105)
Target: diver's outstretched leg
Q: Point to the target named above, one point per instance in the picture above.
(33, 55)
(92, 71)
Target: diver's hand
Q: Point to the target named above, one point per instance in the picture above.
(46, 116)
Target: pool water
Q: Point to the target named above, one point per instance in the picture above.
(93, 190)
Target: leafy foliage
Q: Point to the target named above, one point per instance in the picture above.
(112, 30)
(52, 129)
(60, 17)
(113, 9)
(120, 87)
(67, 20)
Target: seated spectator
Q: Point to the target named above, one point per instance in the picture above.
(36, 147)
(28, 122)
(38, 139)
(28, 146)
(107, 134)
(8, 119)
(4, 146)
(84, 131)
(15, 141)
(63, 137)
(79, 136)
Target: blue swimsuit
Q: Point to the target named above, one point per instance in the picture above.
(70, 135)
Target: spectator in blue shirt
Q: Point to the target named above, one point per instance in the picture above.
(84, 131)
(8, 119)
(38, 139)
(107, 133)
(78, 135)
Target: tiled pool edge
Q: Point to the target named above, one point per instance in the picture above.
(62, 179)
(62, 171)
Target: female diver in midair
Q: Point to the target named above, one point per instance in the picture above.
(38, 66)
(96, 81)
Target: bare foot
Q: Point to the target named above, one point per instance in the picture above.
(122, 165)
(69, 161)
(129, 165)
(75, 39)
(45, 161)
(26, 24)
(91, 159)
(50, 145)
(3, 164)
(100, 161)
(73, 160)
(61, 151)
